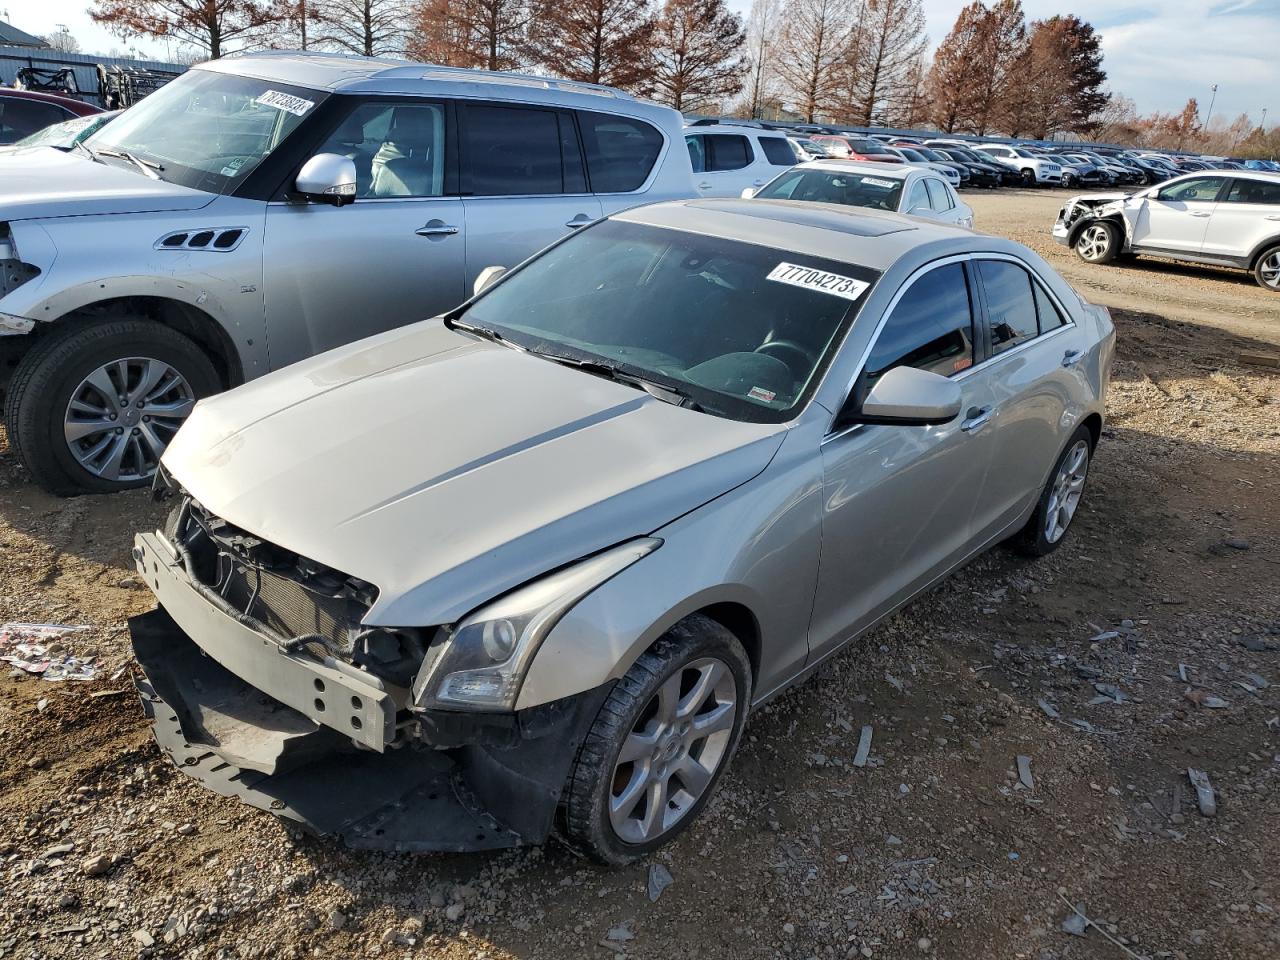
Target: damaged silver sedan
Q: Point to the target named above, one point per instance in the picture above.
(528, 566)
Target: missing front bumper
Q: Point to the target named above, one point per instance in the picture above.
(498, 789)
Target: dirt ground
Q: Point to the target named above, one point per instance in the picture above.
(1081, 662)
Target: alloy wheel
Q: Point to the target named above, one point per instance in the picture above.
(1068, 486)
(1269, 270)
(671, 755)
(123, 415)
(1094, 242)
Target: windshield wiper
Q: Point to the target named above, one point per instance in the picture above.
(666, 392)
(484, 333)
(149, 167)
(87, 149)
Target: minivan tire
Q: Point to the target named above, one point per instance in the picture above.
(1267, 270)
(586, 824)
(46, 378)
(1033, 540)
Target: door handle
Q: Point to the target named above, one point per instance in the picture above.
(581, 220)
(1072, 357)
(704, 185)
(1199, 213)
(1272, 216)
(436, 228)
(976, 419)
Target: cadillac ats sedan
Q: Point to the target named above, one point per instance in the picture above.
(529, 566)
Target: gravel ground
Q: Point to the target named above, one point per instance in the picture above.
(939, 846)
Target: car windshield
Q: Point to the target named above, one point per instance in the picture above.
(913, 154)
(835, 186)
(62, 134)
(1022, 153)
(870, 146)
(205, 130)
(740, 330)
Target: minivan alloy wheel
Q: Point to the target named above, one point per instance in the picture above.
(1068, 486)
(673, 751)
(122, 416)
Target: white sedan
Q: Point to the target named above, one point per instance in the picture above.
(917, 191)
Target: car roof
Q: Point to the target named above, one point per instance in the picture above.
(734, 128)
(78, 107)
(870, 238)
(343, 73)
(890, 171)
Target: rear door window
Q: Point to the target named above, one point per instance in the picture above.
(777, 151)
(1244, 190)
(918, 198)
(510, 150)
(1047, 311)
(939, 196)
(930, 328)
(621, 151)
(729, 152)
(697, 153)
(1011, 308)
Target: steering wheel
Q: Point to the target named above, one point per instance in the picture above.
(793, 350)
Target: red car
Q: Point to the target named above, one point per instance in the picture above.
(855, 148)
(23, 112)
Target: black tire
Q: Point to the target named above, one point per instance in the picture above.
(1028, 178)
(1033, 540)
(1068, 179)
(1098, 241)
(47, 377)
(1266, 272)
(586, 823)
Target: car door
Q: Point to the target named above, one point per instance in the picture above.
(522, 179)
(1247, 214)
(1034, 352)
(393, 256)
(1176, 216)
(898, 501)
(721, 163)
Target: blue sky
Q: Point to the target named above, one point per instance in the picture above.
(1159, 53)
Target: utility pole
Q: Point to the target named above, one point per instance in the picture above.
(1209, 115)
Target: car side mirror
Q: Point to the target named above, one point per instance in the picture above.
(908, 397)
(328, 178)
(749, 192)
(488, 277)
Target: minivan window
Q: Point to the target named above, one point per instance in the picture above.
(398, 149)
(206, 130)
(1010, 307)
(621, 152)
(742, 329)
(729, 152)
(930, 328)
(777, 151)
(511, 150)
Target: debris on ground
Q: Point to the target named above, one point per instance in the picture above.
(864, 747)
(659, 879)
(1204, 791)
(38, 648)
(1024, 772)
(1203, 698)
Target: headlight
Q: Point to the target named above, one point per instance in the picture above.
(482, 664)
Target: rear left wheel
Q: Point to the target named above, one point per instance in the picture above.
(1060, 498)
(1267, 270)
(662, 739)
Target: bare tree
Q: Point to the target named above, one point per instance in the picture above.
(62, 40)
(370, 28)
(207, 24)
(952, 79)
(761, 72)
(697, 54)
(908, 108)
(597, 41)
(813, 46)
(892, 42)
(1002, 40)
(488, 34)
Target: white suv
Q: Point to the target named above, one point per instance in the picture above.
(1228, 218)
(728, 158)
(1034, 169)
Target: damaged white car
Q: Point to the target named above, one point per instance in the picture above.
(527, 566)
(1226, 218)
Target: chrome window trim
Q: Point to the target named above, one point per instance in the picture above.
(962, 375)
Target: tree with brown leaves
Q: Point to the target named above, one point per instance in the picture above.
(207, 24)
(697, 54)
(814, 46)
(596, 41)
(892, 42)
(481, 34)
(953, 79)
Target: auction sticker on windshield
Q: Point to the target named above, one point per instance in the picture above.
(875, 182)
(820, 280)
(286, 102)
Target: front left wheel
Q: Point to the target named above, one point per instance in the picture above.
(659, 744)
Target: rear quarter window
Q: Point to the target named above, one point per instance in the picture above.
(777, 151)
(621, 151)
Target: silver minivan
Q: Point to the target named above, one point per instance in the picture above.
(264, 208)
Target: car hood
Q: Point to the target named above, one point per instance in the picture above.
(1095, 197)
(40, 182)
(446, 470)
